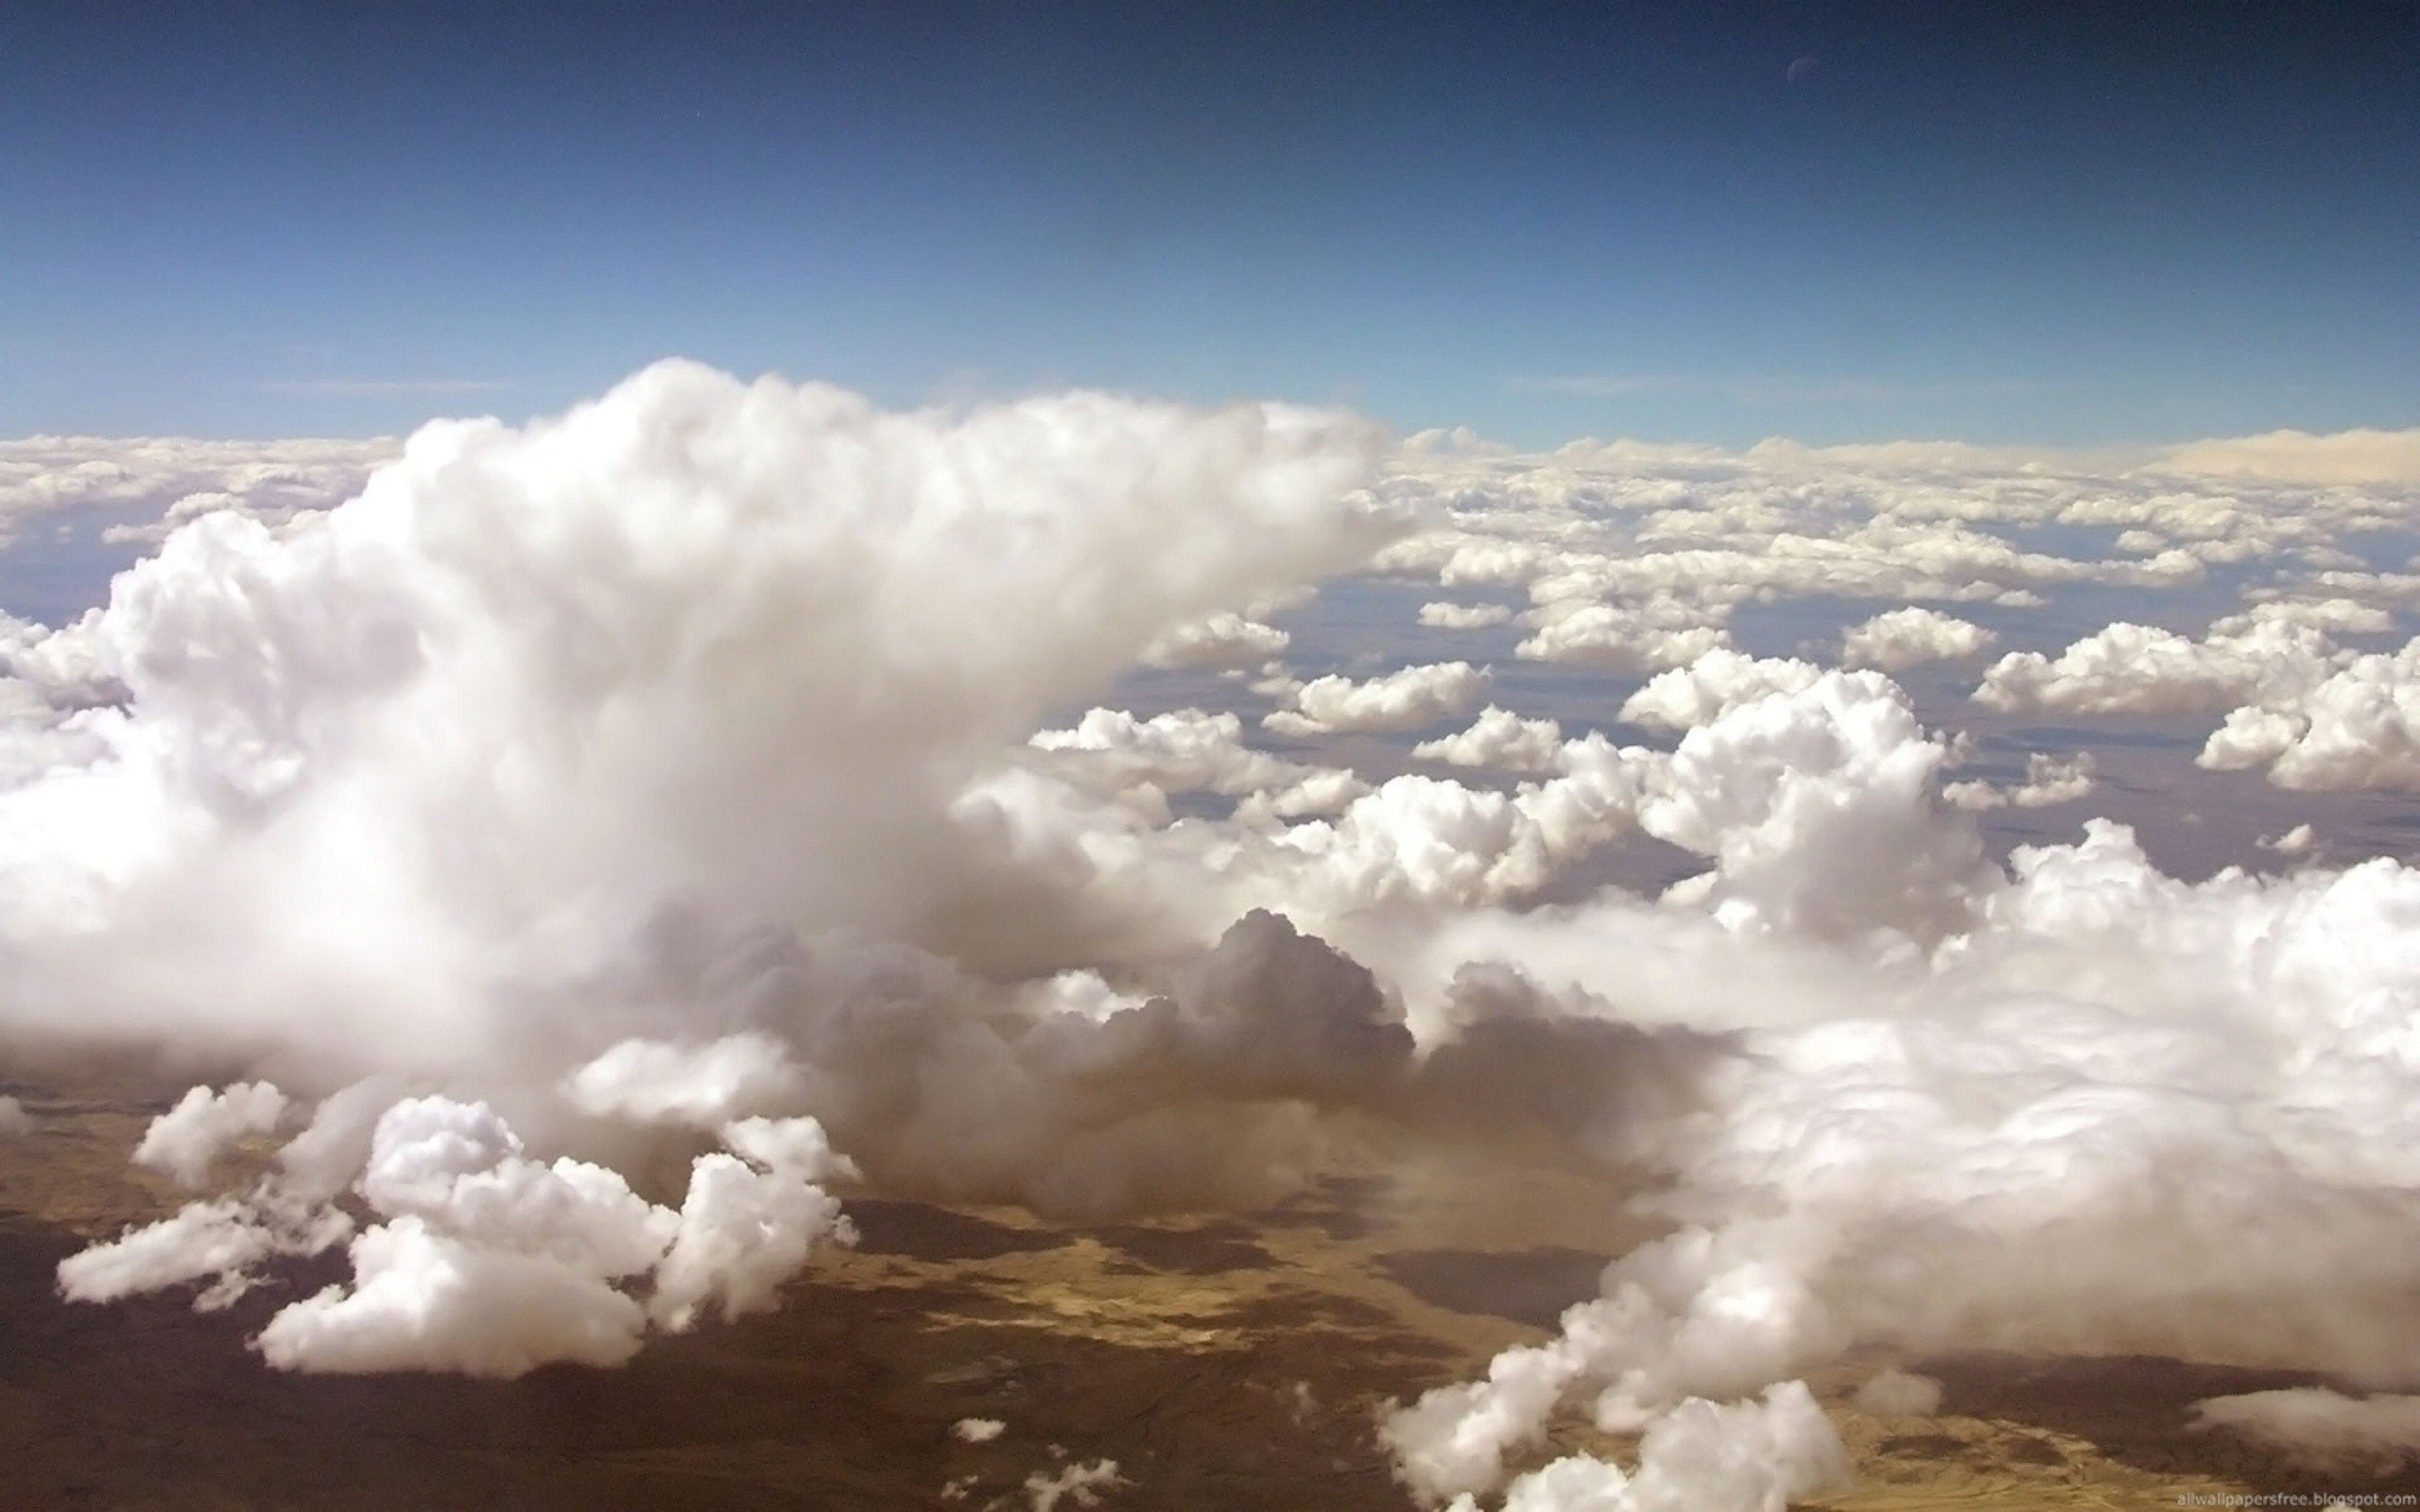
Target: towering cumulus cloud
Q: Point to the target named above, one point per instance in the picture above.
(644, 727)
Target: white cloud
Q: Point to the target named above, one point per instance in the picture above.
(1896, 1393)
(184, 1142)
(706, 1085)
(2048, 780)
(1907, 637)
(1080, 1483)
(2327, 1429)
(2353, 457)
(1499, 740)
(144, 484)
(1441, 616)
(1703, 689)
(1407, 699)
(1225, 639)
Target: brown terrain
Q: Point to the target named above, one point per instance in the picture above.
(1222, 1363)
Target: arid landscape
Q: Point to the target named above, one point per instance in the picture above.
(1232, 1361)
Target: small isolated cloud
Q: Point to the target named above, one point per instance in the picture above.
(1081, 1483)
(1898, 1393)
(186, 1141)
(1407, 699)
(1903, 638)
(2321, 1428)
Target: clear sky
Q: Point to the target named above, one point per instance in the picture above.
(2025, 223)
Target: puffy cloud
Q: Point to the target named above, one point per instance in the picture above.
(2048, 780)
(1079, 1481)
(1705, 1456)
(487, 1261)
(394, 786)
(2126, 668)
(1703, 689)
(1499, 740)
(1184, 750)
(1898, 1393)
(184, 1142)
(1407, 699)
(2357, 727)
(2294, 842)
(1907, 637)
(2033, 1136)
(2320, 1427)
(1440, 614)
(1225, 639)
(706, 1085)
(424, 1300)
(978, 1430)
(144, 485)
(224, 1242)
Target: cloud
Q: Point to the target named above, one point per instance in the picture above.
(1903, 638)
(142, 486)
(696, 782)
(1078, 1481)
(2048, 780)
(2325, 1429)
(1440, 615)
(1407, 699)
(187, 1139)
(1898, 1393)
(2354, 457)
(1499, 740)
(652, 1081)
(1223, 640)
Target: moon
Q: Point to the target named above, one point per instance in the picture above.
(1802, 66)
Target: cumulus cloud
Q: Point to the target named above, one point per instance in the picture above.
(144, 486)
(1078, 1482)
(1903, 638)
(1898, 1393)
(2322, 1428)
(1703, 689)
(2048, 780)
(1499, 740)
(650, 1081)
(699, 650)
(184, 1142)
(1407, 699)
(2358, 727)
(486, 1262)
(1440, 614)
(1225, 639)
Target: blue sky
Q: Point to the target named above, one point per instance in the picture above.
(2055, 225)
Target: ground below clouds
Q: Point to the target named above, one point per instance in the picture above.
(1225, 1362)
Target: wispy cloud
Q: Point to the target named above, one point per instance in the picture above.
(360, 388)
(1759, 389)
